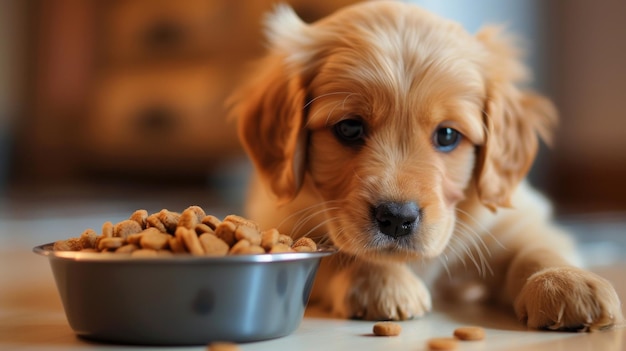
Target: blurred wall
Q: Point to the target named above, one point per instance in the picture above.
(12, 54)
(587, 48)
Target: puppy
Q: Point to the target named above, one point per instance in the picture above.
(404, 141)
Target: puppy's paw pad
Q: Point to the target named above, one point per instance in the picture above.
(568, 299)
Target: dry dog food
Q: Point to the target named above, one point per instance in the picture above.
(461, 333)
(442, 344)
(191, 232)
(469, 333)
(387, 329)
(223, 346)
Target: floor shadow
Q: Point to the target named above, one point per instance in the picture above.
(484, 315)
(487, 316)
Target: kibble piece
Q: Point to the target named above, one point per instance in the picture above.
(302, 249)
(176, 245)
(212, 245)
(140, 216)
(188, 219)
(249, 250)
(240, 221)
(190, 240)
(150, 230)
(244, 247)
(107, 229)
(387, 329)
(223, 346)
(248, 233)
(191, 216)
(239, 246)
(442, 344)
(280, 248)
(72, 244)
(211, 221)
(155, 240)
(305, 244)
(226, 232)
(153, 221)
(110, 243)
(252, 250)
(126, 249)
(88, 239)
(136, 238)
(125, 228)
(169, 220)
(202, 228)
(285, 239)
(469, 333)
(198, 211)
(269, 238)
(98, 240)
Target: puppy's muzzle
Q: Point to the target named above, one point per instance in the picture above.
(396, 219)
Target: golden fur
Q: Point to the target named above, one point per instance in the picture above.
(404, 74)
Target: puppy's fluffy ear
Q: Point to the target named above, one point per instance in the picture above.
(514, 119)
(270, 111)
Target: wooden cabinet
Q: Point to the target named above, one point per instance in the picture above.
(138, 87)
(171, 120)
(164, 70)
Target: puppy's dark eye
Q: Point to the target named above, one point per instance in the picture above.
(446, 139)
(350, 131)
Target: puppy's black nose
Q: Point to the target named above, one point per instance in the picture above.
(396, 218)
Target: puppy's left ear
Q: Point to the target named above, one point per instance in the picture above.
(271, 108)
(270, 113)
(514, 120)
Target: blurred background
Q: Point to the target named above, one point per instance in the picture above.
(123, 100)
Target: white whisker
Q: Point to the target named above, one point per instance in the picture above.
(468, 236)
(452, 247)
(470, 254)
(309, 217)
(480, 226)
(444, 263)
(303, 211)
(320, 224)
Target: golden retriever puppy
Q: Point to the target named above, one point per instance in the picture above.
(400, 138)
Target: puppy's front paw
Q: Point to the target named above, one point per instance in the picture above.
(567, 298)
(383, 293)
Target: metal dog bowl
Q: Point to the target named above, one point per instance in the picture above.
(183, 300)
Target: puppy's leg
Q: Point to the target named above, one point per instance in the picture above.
(549, 293)
(533, 266)
(546, 289)
(352, 288)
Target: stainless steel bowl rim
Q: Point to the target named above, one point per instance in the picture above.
(46, 250)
